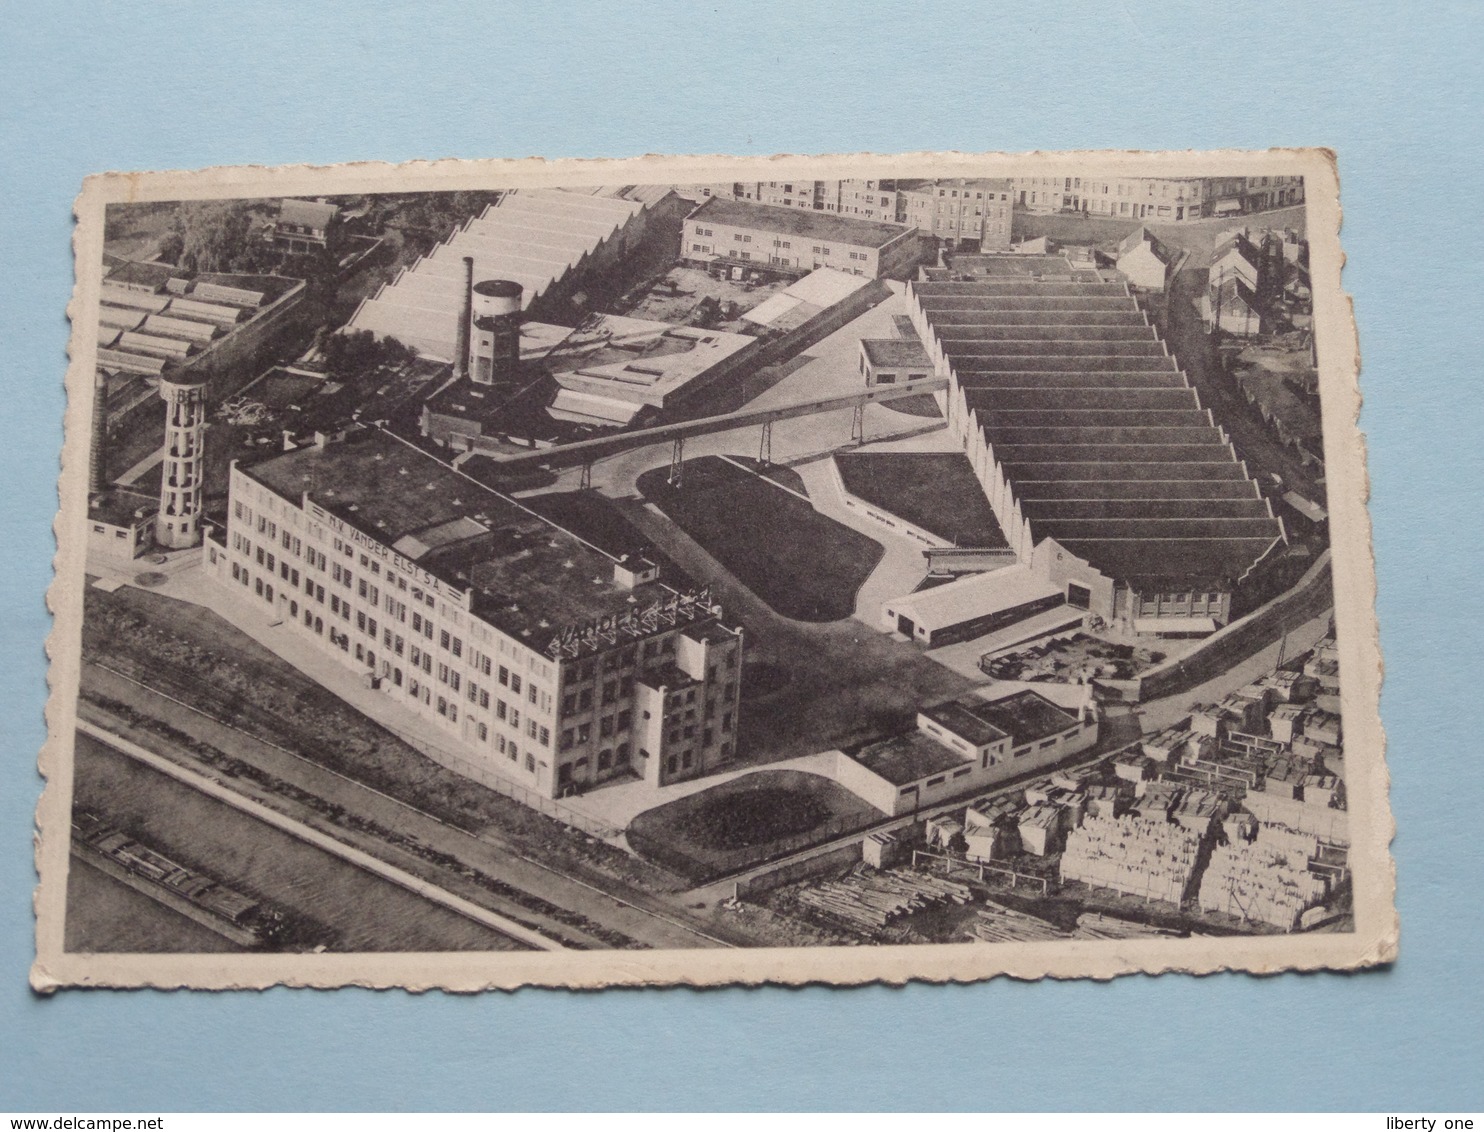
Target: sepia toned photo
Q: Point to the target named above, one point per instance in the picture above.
(478, 574)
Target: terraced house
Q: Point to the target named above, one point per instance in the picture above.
(1109, 477)
(533, 654)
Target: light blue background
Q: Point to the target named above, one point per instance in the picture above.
(1393, 87)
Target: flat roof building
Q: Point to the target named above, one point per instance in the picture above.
(795, 241)
(541, 659)
(965, 745)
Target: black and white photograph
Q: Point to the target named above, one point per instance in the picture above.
(919, 567)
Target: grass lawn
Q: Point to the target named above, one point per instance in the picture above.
(745, 821)
(778, 473)
(803, 564)
(936, 492)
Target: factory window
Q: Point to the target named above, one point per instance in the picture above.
(566, 741)
(584, 732)
(670, 764)
(484, 732)
(443, 637)
(625, 718)
(585, 699)
(514, 682)
(935, 781)
(621, 755)
(569, 703)
(726, 722)
(484, 698)
(514, 719)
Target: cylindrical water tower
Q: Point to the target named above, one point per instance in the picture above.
(178, 525)
(495, 348)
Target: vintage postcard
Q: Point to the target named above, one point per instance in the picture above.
(705, 570)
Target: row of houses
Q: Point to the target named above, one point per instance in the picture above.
(942, 206)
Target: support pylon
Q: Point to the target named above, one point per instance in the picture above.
(677, 461)
(586, 480)
(858, 424)
(765, 445)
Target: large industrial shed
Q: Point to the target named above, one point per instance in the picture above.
(543, 239)
(1106, 473)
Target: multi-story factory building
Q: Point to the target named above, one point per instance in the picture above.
(792, 240)
(534, 653)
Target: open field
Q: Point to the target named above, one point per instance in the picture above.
(746, 821)
(804, 565)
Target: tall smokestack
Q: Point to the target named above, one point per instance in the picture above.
(466, 318)
(98, 456)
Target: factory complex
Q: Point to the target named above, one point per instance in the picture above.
(1049, 469)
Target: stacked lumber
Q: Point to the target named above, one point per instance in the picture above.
(1134, 854)
(1267, 880)
(1000, 924)
(870, 900)
(1095, 925)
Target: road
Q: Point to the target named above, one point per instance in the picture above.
(1255, 441)
(639, 918)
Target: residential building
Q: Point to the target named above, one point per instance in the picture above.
(1144, 260)
(1146, 198)
(305, 225)
(532, 654)
(963, 213)
(795, 241)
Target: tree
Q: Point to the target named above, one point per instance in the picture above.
(213, 235)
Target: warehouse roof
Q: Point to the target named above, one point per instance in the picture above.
(799, 222)
(1100, 436)
(534, 237)
(896, 352)
(909, 758)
